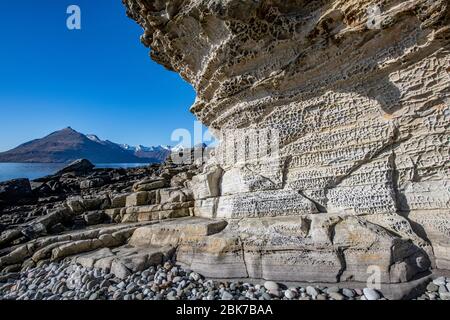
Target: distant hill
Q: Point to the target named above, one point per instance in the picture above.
(67, 145)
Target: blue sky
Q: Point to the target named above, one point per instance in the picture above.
(99, 79)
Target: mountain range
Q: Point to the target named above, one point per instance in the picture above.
(67, 145)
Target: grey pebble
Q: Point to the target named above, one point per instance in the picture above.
(227, 296)
(432, 287)
(349, 293)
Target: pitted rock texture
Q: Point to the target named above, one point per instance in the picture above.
(359, 96)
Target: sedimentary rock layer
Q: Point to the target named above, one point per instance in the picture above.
(357, 95)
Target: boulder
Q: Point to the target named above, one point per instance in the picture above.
(74, 247)
(94, 217)
(119, 201)
(207, 184)
(77, 167)
(170, 195)
(123, 261)
(8, 236)
(16, 191)
(180, 179)
(43, 225)
(92, 183)
(137, 199)
(17, 256)
(79, 204)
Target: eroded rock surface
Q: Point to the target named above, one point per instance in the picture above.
(358, 95)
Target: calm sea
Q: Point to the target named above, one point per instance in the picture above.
(32, 171)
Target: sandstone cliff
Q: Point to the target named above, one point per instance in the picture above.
(333, 164)
(358, 92)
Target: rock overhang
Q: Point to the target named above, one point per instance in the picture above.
(358, 93)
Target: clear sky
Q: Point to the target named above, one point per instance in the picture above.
(98, 80)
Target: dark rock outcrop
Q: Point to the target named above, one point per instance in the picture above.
(16, 191)
(80, 166)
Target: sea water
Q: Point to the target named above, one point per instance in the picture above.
(9, 171)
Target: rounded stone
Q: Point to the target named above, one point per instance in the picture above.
(194, 276)
(276, 293)
(349, 293)
(91, 284)
(371, 294)
(139, 296)
(445, 295)
(336, 296)
(442, 289)
(312, 291)
(227, 296)
(271, 286)
(158, 296)
(290, 294)
(432, 296)
(266, 296)
(332, 290)
(93, 296)
(439, 281)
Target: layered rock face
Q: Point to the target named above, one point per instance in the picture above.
(357, 93)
